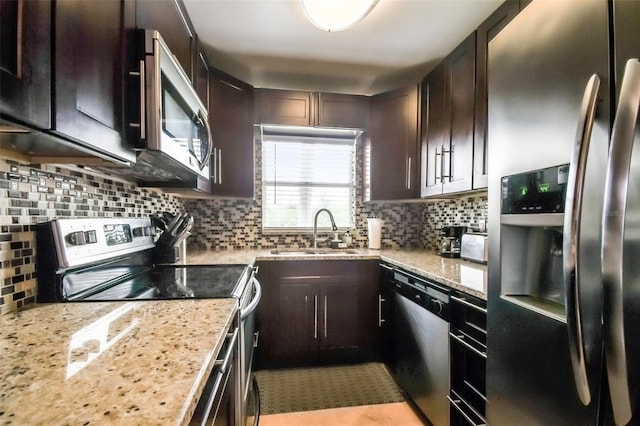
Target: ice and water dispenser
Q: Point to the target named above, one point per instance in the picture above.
(531, 234)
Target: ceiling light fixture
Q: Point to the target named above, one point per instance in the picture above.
(336, 15)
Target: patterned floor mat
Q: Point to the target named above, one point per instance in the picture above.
(306, 389)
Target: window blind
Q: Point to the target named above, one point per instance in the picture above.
(302, 174)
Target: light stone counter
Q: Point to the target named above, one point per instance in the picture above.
(138, 363)
(459, 274)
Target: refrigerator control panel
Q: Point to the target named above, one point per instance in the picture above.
(537, 191)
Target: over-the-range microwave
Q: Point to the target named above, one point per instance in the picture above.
(165, 120)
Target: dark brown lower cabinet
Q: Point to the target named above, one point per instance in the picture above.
(468, 352)
(318, 312)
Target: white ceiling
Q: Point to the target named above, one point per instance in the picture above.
(270, 43)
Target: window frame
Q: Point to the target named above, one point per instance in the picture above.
(344, 137)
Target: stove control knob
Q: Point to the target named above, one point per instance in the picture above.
(75, 238)
(91, 237)
(438, 306)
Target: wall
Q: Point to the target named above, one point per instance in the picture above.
(33, 194)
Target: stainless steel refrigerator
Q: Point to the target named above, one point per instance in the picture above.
(564, 215)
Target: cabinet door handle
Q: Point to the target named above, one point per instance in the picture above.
(315, 316)
(409, 173)
(442, 164)
(468, 304)
(380, 319)
(325, 315)
(456, 402)
(450, 152)
(436, 177)
(460, 339)
(143, 102)
(220, 166)
(213, 173)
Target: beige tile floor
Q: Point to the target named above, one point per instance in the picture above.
(395, 414)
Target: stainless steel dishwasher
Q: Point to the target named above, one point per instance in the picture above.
(421, 343)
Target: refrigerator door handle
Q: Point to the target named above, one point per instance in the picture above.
(613, 220)
(570, 250)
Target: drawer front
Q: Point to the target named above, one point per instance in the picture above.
(468, 346)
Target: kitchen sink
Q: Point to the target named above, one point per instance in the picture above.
(312, 251)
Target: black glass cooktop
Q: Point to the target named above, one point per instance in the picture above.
(158, 282)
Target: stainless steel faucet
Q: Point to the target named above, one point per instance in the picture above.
(315, 226)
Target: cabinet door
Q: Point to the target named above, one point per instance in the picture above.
(458, 154)
(434, 132)
(231, 118)
(170, 18)
(394, 139)
(201, 76)
(486, 31)
(284, 107)
(350, 308)
(25, 61)
(387, 314)
(298, 321)
(89, 74)
(339, 110)
(340, 316)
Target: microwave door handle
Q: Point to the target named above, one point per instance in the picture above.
(143, 101)
(207, 156)
(220, 166)
(571, 231)
(613, 222)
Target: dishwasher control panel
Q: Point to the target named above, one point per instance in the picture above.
(429, 295)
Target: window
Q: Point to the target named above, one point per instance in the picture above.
(302, 173)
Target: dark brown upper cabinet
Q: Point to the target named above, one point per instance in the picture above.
(201, 75)
(286, 107)
(170, 18)
(340, 110)
(486, 32)
(62, 79)
(25, 61)
(448, 123)
(231, 120)
(391, 151)
(299, 108)
(89, 73)
(435, 131)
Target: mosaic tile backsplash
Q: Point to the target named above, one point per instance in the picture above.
(225, 224)
(37, 193)
(33, 194)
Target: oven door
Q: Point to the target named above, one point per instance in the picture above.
(250, 410)
(217, 405)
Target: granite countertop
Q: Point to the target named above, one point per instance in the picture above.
(459, 274)
(109, 362)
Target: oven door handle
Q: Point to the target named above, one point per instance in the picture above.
(202, 416)
(244, 313)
